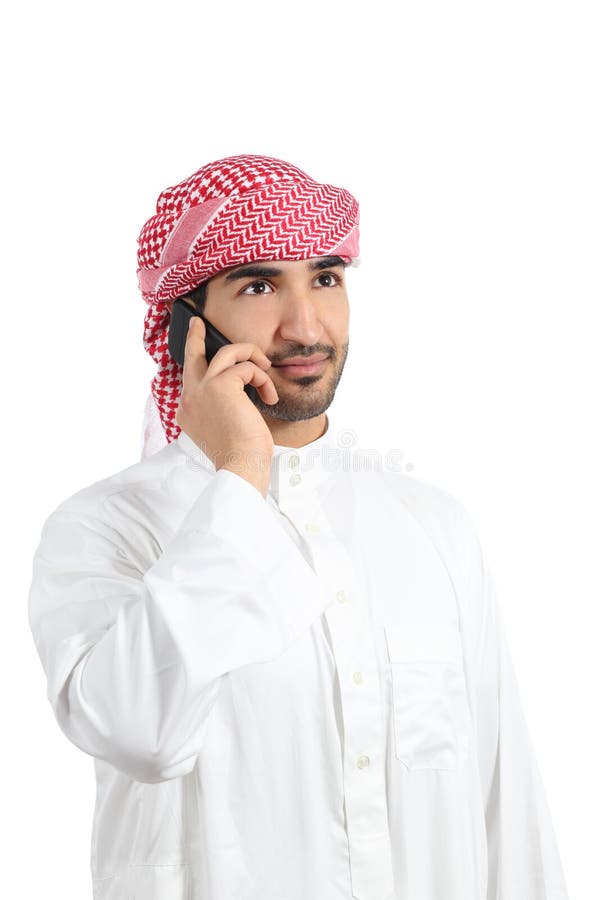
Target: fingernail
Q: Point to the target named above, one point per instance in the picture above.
(190, 322)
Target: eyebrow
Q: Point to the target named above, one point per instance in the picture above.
(261, 271)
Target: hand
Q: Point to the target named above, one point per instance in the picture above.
(217, 413)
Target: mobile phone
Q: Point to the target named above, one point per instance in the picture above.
(181, 313)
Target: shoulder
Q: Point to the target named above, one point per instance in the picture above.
(439, 513)
(434, 506)
(135, 509)
(92, 499)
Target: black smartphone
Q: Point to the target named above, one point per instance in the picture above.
(181, 313)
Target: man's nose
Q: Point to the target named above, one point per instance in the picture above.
(300, 317)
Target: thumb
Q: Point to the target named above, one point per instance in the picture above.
(194, 361)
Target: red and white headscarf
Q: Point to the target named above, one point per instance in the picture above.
(233, 211)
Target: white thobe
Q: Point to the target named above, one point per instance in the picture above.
(303, 697)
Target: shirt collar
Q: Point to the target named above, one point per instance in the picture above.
(294, 470)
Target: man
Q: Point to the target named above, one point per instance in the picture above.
(290, 668)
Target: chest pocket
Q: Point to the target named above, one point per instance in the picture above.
(432, 725)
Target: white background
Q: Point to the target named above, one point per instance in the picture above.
(469, 132)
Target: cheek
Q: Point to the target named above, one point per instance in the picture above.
(338, 325)
(256, 326)
(339, 315)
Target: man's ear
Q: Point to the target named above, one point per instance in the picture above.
(169, 303)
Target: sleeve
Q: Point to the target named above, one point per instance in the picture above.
(523, 857)
(134, 660)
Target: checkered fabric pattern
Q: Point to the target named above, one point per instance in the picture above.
(233, 211)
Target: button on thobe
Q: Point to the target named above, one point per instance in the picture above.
(352, 644)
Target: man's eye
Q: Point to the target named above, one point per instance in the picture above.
(334, 278)
(262, 284)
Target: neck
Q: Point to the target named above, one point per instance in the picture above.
(296, 434)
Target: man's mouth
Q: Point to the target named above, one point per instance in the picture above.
(310, 365)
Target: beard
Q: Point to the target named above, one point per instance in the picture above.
(306, 396)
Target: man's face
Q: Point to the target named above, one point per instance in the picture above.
(289, 309)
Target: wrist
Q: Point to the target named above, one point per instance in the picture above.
(260, 480)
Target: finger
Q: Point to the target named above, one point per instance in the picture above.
(230, 354)
(250, 373)
(194, 358)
